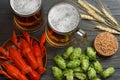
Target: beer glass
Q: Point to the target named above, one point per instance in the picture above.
(28, 14)
(63, 24)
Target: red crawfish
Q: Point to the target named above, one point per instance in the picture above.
(39, 55)
(11, 72)
(27, 52)
(16, 56)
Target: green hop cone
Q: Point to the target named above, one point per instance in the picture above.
(60, 61)
(83, 56)
(80, 76)
(85, 64)
(68, 73)
(73, 63)
(78, 69)
(68, 52)
(91, 53)
(98, 67)
(91, 73)
(57, 73)
(76, 53)
(108, 72)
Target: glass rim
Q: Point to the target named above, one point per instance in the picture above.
(22, 14)
(67, 32)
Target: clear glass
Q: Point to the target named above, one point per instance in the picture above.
(63, 24)
(28, 14)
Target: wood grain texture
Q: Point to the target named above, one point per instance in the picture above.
(7, 26)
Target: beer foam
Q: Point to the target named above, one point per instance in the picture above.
(63, 18)
(25, 7)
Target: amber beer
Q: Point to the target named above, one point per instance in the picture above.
(28, 15)
(63, 21)
(56, 39)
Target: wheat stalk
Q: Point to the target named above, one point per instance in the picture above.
(107, 29)
(102, 16)
(91, 11)
(86, 16)
(105, 11)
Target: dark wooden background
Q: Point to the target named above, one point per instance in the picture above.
(7, 26)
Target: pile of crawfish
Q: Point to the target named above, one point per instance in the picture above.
(24, 60)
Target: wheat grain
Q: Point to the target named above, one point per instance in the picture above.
(94, 14)
(109, 16)
(88, 17)
(94, 8)
(107, 29)
(91, 11)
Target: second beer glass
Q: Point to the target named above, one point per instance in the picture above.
(28, 15)
(63, 23)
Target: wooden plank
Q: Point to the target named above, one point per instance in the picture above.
(7, 26)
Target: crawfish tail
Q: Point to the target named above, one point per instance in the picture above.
(13, 71)
(41, 70)
(42, 42)
(42, 39)
(28, 53)
(34, 75)
(43, 50)
(27, 36)
(19, 61)
(3, 52)
(23, 77)
(3, 59)
(15, 40)
(31, 59)
(24, 44)
(6, 75)
(40, 62)
(37, 50)
(39, 58)
(37, 53)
